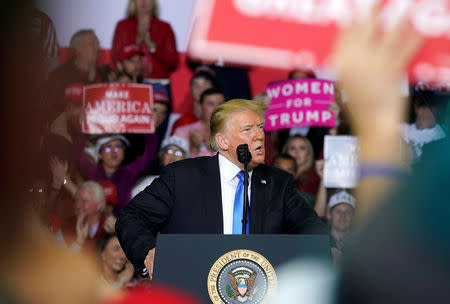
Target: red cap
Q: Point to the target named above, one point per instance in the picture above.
(110, 191)
(129, 51)
(74, 92)
(160, 97)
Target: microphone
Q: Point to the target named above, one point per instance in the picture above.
(243, 154)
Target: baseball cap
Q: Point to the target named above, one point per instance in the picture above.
(129, 51)
(176, 141)
(74, 92)
(110, 191)
(341, 197)
(106, 139)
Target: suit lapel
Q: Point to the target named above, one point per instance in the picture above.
(258, 201)
(212, 194)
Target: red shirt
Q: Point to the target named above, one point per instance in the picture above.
(158, 64)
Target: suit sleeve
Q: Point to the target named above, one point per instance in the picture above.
(299, 217)
(146, 215)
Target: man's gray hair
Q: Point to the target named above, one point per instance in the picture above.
(96, 190)
(76, 38)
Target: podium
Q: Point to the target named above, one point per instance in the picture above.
(230, 268)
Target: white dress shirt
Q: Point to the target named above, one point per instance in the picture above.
(228, 185)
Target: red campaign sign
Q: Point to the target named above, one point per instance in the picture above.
(118, 108)
(294, 34)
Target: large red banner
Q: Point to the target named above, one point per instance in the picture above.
(300, 34)
(118, 108)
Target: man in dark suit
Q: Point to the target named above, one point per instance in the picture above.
(198, 195)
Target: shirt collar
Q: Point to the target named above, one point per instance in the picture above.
(229, 170)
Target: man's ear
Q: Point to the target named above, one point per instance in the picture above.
(222, 141)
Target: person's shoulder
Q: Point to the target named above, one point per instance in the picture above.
(126, 22)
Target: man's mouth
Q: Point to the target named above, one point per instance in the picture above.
(259, 150)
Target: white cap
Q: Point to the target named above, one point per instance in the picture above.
(341, 197)
(176, 141)
(106, 139)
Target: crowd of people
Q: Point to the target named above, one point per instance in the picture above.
(83, 182)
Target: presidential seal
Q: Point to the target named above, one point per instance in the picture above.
(241, 276)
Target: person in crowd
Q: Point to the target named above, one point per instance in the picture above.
(89, 226)
(111, 151)
(154, 37)
(341, 208)
(300, 148)
(425, 129)
(200, 81)
(129, 64)
(116, 270)
(172, 149)
(82, 67)
(287, 163)
(171, 204)
(197, 133)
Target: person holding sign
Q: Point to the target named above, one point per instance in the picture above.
(111, 151)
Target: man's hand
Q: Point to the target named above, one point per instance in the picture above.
(148, 262)
(82, 229)
(125, 275)
(59, 171)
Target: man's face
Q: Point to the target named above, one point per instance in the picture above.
(340, 217)
(132, 66)
(245, 127)
(210, 103)
(198, 86)
(287, 165)
(85, 204)
(425, 118)
(87, 50)
(112, 154)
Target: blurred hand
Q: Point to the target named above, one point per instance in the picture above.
(59, 171)
(370, 70)
(196, 138)
(126, 274)
(143, 29)
(110, 223)
(82, 229)
(319, 168)
(148, 262)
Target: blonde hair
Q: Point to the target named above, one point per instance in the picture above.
(310, 161)
(77, 37)
(131, 9)
(222, 114)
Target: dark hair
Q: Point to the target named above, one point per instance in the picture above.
(103, 241)
(286, 157)
(206, 75)
(308, 73)
(210, 91)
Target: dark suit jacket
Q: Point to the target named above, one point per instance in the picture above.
(187, 198)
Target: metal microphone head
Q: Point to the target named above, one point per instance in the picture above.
(243, 154)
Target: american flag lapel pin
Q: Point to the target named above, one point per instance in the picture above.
(263, 181)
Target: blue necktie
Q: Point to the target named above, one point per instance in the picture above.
(239, 207)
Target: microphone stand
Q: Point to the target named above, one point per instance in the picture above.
(244, 212)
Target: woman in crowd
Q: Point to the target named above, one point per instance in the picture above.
(154, 37)
(115, 268)
(300, 148)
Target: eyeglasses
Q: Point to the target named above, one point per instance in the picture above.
(177, 153)
(110, 149)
